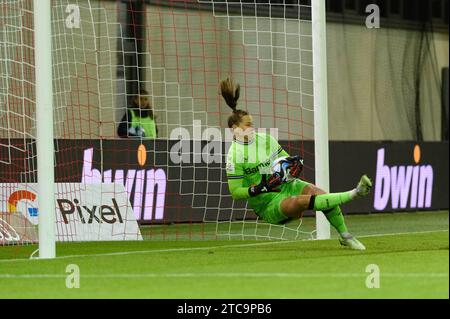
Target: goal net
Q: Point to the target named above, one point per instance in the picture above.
(170, 183)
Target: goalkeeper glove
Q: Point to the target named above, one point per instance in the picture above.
(265, 186)
(296, 165)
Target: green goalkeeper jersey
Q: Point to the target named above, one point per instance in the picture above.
(246, 162)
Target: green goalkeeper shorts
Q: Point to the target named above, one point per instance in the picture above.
(272, 212)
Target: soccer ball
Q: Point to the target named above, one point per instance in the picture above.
(280, 165)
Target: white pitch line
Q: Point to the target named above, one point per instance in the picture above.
(135, 252)
(405, 233)
(228, 275)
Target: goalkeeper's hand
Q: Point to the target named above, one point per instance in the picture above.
(266, 186)
(296, 165)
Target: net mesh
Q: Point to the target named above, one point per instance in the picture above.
(270, 54)
(103, 51)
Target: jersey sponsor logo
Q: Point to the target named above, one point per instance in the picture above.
(257, 168)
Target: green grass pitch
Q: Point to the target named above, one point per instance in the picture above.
(410, 249)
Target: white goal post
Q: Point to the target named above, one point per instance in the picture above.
(320, 109)
(44, 127)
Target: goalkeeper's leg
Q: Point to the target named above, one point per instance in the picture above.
(333, 215)
(316, 199)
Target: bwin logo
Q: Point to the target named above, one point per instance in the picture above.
(399, 183)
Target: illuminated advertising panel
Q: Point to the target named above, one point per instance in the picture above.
(165, 188)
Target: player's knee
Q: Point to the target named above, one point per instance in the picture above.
(312, 190)
(301, 202)
(307, 190)
(295, 205)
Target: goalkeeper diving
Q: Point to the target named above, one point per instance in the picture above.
(272, 197)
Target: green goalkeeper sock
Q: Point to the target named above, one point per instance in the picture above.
(336, 219)
(328, 201)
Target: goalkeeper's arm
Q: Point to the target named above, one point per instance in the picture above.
(265, 186)
(236, 189)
